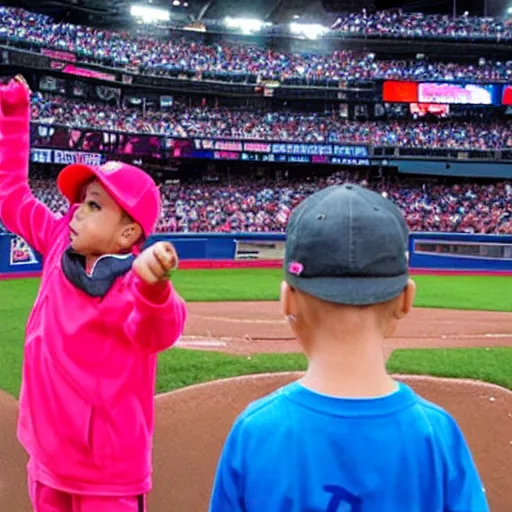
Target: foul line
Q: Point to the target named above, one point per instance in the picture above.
(208, 343)
(241, 320)
(473, 336)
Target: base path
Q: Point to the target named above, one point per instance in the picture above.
(254, 327)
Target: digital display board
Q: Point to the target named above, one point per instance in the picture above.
(97, 141)
(394, 91)
(88, 145)
(435, 109)
(278, 148)
(506, 97)
(57, 156)
(458, 94)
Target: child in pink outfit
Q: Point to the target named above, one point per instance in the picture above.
(102, 315)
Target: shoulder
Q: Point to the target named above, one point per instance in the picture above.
(434, 414)
(263, 414)
(449, 442)
(438, 424)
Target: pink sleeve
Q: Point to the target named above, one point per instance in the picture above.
(20, 211)
(158, 317)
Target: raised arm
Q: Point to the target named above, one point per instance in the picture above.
(20, 211)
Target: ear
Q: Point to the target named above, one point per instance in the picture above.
(289, 304)
(288, 300)
(130, 234)
(285, 298)
(406, 300)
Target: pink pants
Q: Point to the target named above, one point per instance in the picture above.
(46, 499)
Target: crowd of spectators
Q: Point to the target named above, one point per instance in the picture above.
(397, 24)
(154, 56)
(183, 121)
(264, 206)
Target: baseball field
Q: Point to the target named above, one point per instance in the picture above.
(461, 327)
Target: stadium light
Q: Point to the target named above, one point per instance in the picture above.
(149, 14)
(245, 25)
(509, 10)
(310, 31)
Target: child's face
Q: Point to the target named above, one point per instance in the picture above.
(99, 226)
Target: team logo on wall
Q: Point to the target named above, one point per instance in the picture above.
(21, 253)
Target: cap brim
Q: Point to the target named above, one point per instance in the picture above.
(72, 180)
(351, 291)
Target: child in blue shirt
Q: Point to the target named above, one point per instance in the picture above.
(346, 437)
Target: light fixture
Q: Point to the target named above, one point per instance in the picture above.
(309, 31)
(245, 25)
(149, 14)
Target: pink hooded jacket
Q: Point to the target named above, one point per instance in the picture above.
(86, 404)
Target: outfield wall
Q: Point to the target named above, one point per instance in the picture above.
(427, 252)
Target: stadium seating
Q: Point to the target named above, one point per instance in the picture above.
(226, 61)
(283, 125)
(398, 24)
(264, 206)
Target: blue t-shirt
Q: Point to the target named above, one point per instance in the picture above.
(299, 451)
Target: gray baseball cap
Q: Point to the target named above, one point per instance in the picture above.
(347, 245)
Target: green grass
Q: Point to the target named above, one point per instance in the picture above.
(488, 293)
(486, 364)
(181, 368)
(454, 292)
(178, 368)
(228, 285)
(457, 292)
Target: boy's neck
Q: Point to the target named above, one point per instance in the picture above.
(350, 368)
(90, 262)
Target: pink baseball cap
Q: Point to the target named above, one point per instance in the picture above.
(130, 187)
